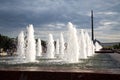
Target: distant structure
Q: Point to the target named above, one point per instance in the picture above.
(92, 26)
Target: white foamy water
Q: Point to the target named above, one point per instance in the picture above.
(21, 45)
(97, 46)
(83, 45)
(50, 47)
(72, 55)
(39, 48)
(62, 46)
(30, 45)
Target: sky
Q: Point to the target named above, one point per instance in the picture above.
(52, 16)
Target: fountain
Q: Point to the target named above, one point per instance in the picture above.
(75, 49)
(39, 48)
(30, 45)
(21, 46)
(98, 47)
(50, 47)
(90, 48)
(83, 47)
(62, 46)
(72, 55)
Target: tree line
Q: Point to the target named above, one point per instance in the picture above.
(7, 43)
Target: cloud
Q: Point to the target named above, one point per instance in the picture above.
(105, 31)
(108, 37)
(107, 13)
(108, 23)
(53, 15)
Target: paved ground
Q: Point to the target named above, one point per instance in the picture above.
(115, 56)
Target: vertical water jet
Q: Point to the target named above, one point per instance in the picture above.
(39, 48)
(62, 46)
(83, 46)
(21, 45)
(30, 44)
(50, 47)
(72, 55)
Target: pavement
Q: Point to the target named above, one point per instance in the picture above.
(115, 56)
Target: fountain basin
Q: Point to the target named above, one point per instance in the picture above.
(57, 74)
(99, 67)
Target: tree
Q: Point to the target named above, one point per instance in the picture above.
(6, 42)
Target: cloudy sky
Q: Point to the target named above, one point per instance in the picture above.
(53, 15)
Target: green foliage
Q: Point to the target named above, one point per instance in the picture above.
(116, 46)
(6, 42)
